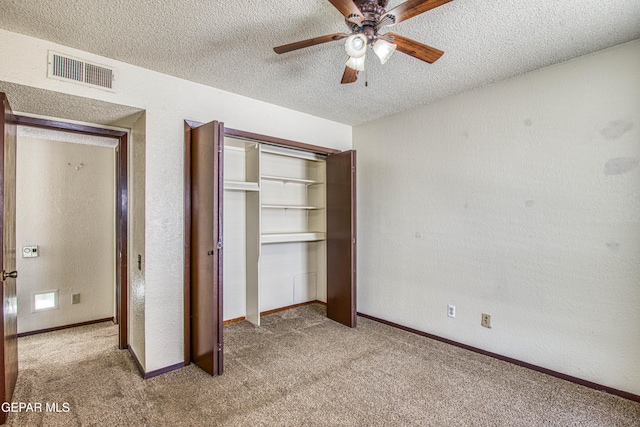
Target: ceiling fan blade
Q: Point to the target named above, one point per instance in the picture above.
(417, 50)
(346, 8)
(350, 75)
(411, 8)
(310, 42)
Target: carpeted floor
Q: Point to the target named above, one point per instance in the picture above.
(300, 368)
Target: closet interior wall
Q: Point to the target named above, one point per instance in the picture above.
(274, 229)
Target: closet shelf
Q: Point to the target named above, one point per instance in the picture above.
(241, 186)
(286, 180)
(279, 151)
(292, 237)
(271, 206)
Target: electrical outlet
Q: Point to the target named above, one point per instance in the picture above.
(486, 320)
(451, 311)
(75, 298)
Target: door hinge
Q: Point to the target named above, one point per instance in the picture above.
(219, 347)
(353, 240)
(218, 247)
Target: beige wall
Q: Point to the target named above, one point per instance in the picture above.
(65, 205)
(522, 200)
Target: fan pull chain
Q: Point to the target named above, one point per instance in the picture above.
(366, 78)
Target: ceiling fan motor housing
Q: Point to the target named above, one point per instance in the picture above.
(371, 10)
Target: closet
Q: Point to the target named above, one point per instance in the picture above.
(270, 224)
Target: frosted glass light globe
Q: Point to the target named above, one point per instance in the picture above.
(356, 45)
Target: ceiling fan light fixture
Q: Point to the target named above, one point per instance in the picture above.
(383, 50)
(365, 20)
(356, 45)
(356, 63)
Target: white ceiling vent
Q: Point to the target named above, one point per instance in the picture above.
(64, 67)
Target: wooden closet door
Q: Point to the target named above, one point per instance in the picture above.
(341, 237)
(207, 189)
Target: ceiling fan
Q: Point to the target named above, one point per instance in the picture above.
(365, 18)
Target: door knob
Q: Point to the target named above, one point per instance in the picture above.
(12, 274)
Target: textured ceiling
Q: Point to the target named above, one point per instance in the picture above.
(40, 102)
(229, 44)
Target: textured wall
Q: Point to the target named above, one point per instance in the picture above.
(167, 101)
(521, 200)
(65, 205)
(137, 142)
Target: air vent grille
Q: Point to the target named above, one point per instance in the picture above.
(99, 76)
(67, 68)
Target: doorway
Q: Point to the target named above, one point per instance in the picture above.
(65, 229)
(121, 209)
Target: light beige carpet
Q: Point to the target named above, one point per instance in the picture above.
(300, 368)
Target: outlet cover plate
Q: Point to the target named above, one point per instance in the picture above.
(486, 320)
(451, 311)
